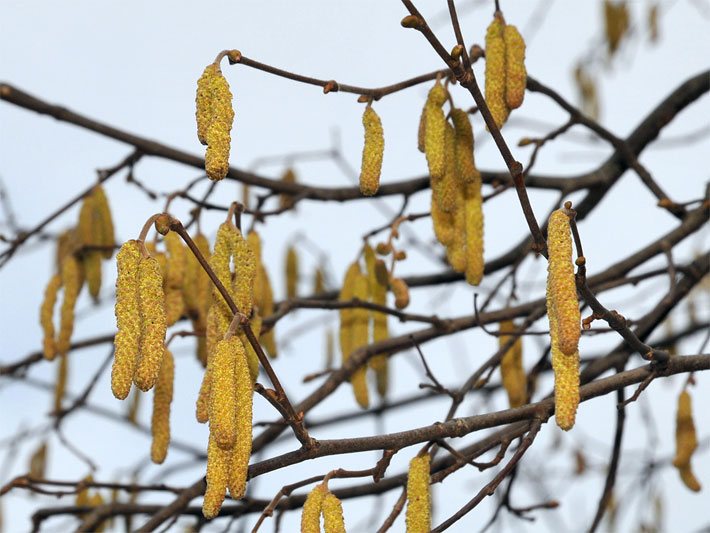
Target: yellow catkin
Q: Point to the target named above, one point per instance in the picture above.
(89, 234)
(566, 371)
(268, 339)
(378, 276)
(515, 73)
(151, 304)
(310, 516)
(467, 171)
(46, 315)
(203, 101)
(224, 247)
(105, 222)
(222, 397)
(456, 251)
(175, 277)
(563, 291)
(346, 315)
(444, 188)
(418, 497)
(38, 462)
(291, 268)
(194, 276)
(435, 131)
(128, 321)
(214, 120)
(72, 280)
(616, 19)
(372, 152)
(60, 386)
(360, 335)
(473, 207)
(421, 131)
(286, 201)
(242, 448)
(442, 222)
(244, 275)
(401, 292)
(252, 358)
(162, 398)
(67, 244)
(511, 366)
(217, 324)
(333, 521)
(495, 71)
(686, 441)
(218, 466)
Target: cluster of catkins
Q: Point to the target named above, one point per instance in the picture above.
(321, 502)
(564, 317)
(686, 441)
(78, 261)
(506, 75)
(360, 326)
(456, 201)
(214, 116)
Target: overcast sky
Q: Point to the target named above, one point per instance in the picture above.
(134, 65)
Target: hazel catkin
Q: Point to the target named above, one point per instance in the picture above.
(174, 278)
(218, 467)
(686, 441)
(310, 516)
(511, 366)
(372, 152)
(241, 452)
(515, 73)
(244, 275)
(360, 334)
(444, 188)
(106, 235)
(151, 304)
(162, 398)
(495, 70)
(291, 269)
(435, 131)
(46, 315)
(467, 171)
(60, 385)
(473, 211)
(72, 280)
(128, 321)
(222, 395)
(418, 496)
(561, 283)
(333, 521)
(346, 314)
(214, 115)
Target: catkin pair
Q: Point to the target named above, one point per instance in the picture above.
(321, 502)
(372, 152)
(686, 442)
(418, 495)
(230, 415)
(511, 366)
(506, 75)
(140, 318)
(214, 116)
(162, 398)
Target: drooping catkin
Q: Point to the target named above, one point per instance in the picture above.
(566, 371)
(444, 188)
(456, 250)
(292, 274)
(46, 315)
(511, 366)
(214, 115)
(196, 282)
(418, 497)
(60, 386)
(495, 70)
(442, 222)
(686, 441)
(346, 314)
(467, 171)
(241, 452)
(175, 277)
(333, 521)
(151, 304)
(89, 234)
(67, 244)
(222, 396)
(360, 336)
(218, 468)
(310, 516)
(105, 221)
(473, 208)
(162, 398)
(561, 284)
(224, 246)
(378, 276)
(616, 24)
(244, 275)
(435, 131)
(515, 72)
(372, 152)
(38, 462)
(72, 280)
(268, 339)
(128, 320)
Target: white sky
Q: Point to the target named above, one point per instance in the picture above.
(134, 65)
